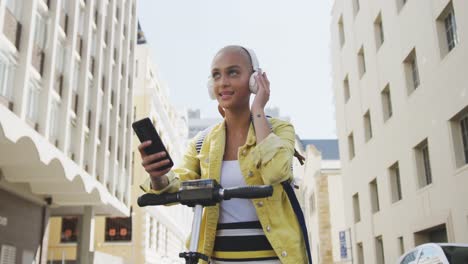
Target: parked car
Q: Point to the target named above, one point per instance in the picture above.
(436, 253)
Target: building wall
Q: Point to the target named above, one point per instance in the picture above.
(158, 234)
(321, 198)
(63, 140)
(424, 113)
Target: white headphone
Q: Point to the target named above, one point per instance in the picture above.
(252, 83)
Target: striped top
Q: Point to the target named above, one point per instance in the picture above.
(243, 242)
(240, 237)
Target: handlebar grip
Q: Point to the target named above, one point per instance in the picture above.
(248, 192)
(157, 199)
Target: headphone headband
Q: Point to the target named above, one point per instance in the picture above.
(253, 58)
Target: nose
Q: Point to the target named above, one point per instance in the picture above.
(225, 80)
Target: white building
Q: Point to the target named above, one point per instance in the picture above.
(160, 232)
(321, 196)
(401, 96)
(66, 72)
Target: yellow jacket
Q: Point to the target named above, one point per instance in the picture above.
(266, 163)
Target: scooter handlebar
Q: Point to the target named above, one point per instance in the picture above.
(205, 196)
(248, 192)
(153, 199)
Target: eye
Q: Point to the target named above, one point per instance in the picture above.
(233, 72)
(215, 75)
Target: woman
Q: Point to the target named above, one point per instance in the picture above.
(245, 149)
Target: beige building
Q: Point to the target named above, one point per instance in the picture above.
(66, 71)
(149, 235)
(321, 196)
(401, 97)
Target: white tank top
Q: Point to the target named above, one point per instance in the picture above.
(235, 210)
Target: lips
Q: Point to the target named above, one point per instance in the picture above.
(226, 94)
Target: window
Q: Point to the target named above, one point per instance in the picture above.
(459, 129)
(395, 183)
(341, 31)
(117, 13)
(96, 15)
(361, 62)
(59, 64)
(92, 64)
(346, 90)
(429, 253)
(72, 135)
(360, 253)
(356, 7)
(410, 257)
(447, 30)
(33, 102)
(412, 72)
(451, 29)
(367, 126)
(54, 120)
(379, 250)
(464, 133)
(40, 36)
(7, 75)
(75, 102)
(379, 32)
(76, 75)
(356, 207)
(435, 234)
(374, 195)
(81, 22)
(386, 102)
(103, 83)
(15, 7)
(63, 20)
(69, 231)
(118, 229)
(351, 151)
(401, 246)
(423, 163)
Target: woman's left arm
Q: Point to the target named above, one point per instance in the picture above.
(275, 149)
(273, 156)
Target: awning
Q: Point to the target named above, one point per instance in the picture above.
(28, 159)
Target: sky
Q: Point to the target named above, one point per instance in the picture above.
(291, 39)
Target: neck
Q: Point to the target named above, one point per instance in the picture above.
(237, 120)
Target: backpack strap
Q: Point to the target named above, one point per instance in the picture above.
(201, 138)
(299, 215)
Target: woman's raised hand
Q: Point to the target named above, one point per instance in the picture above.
(153, 163)
(263, 93)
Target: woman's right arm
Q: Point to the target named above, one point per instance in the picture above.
(168, 180)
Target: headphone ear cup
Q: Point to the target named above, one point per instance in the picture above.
(253, 86)
(210, 86)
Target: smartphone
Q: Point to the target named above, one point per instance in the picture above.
(145, 130)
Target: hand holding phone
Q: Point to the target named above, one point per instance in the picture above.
(156, 159)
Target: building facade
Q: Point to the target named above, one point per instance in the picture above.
(321, 196)
(160, 232)
(66, 70)
(149, 235)
(402, 117)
